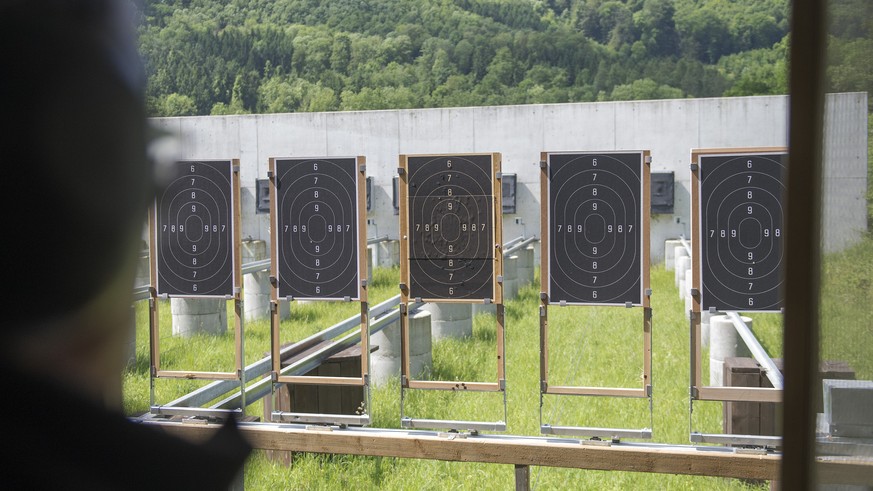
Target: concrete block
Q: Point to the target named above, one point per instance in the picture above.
(510, 277)
(686, 291)
(484, 308)
(525, 268)
(670, 246)
(385, 362)
(256, 286)
(193, 316)
(725, 343)
(450, 320)
(682, 262)
(847, 406)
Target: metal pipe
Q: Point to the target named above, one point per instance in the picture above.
(255, 266)
(509, 249)
(761, 356)
(217, 389)
(685, 244)
(261, 388)
(376, 240)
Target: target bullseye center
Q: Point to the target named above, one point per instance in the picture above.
(750, 233)
(595, 229)
(317, 227)
(450, 227)
(193, 228)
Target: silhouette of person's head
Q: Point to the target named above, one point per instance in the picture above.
(75, 185)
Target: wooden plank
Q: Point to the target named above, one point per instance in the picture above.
(544, 270)
(595, 391)
(509, 450)
(320, 380)
(239, 337)
(458, 385)
(646, 280)
(192, 374)
(740, 150)
(274, 273)
(363, 265)
(739, 394)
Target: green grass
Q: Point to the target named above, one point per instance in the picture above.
(605, 349)
(588, 346)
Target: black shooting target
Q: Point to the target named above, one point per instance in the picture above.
(317, 228)
(451, 225)
(595, 220)
(194, 230)
(742, 221)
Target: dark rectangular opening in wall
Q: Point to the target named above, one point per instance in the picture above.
(662, 192)
(369, 193)
(509, 184)
(396, 194)
(262, 196)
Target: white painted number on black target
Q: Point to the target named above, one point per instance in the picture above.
(316, 221)
(194, 235)
(450, 227)
(743, 237)
(595, 216)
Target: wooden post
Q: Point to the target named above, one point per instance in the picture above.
(522, 477)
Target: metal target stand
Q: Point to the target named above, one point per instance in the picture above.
(157, 291)
(276, 281)
(698, 391)
(410, 297)
(598, 435)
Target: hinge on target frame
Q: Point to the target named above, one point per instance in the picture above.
(236, 168)
(694, 167)
(544, 386)
(694, 292)
(502, 384)
(362, 168)
(274, 307)
(649, 390)
(364, 283)
(417, 300)
(500, 278)
(274, 376)
(402, 286)
(648, 159)
(543, 164)
(269, 174)
(498, 175)
(400, 171)
(273, 280)
(403, 309)
(648, 292)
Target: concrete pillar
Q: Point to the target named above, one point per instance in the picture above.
(450, 320)
(371, 264)
(388, 253)
(682, 262)
(510, 277)
(198, 316)
(525, 266)
(484, 308)
(689, 303)
(705, 317)
(670, 246)
(385, 361)
(256, 286)
(724, 343)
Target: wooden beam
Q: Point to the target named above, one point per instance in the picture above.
(701, 461)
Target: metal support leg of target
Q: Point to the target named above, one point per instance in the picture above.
(596, 434)
(454, 426)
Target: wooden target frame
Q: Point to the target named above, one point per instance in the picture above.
(203, 178)
(331, 186)
(745, 157)
(585, 192)
(412, 249)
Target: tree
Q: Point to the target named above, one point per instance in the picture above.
(176, 105)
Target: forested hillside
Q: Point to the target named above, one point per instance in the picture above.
(218, 57)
